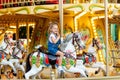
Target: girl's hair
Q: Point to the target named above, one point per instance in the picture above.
(51, 25)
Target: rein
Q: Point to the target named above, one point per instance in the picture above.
(74, 39)
(16, 52)
(95, 43)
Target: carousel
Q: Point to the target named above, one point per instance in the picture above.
(90, 52)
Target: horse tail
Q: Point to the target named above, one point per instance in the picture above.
(28, 66)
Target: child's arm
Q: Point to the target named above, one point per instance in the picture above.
(55, 40)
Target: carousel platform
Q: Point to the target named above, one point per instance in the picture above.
(91, 78)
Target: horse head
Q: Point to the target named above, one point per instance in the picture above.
(6, 39)
(72, 41)
(79, 41)
(19, 49)
(96, 42)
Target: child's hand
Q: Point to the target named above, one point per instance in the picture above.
(58, 34)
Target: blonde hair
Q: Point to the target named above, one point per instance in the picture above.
(51, 25)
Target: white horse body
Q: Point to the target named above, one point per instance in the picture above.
(5, 49)
(96, 64)
(34, 69)
(70, 49)
(79, 67)
(18, 53)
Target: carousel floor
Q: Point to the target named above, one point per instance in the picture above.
(3, 77)
(45, 75)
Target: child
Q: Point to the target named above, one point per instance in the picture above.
(54, 41)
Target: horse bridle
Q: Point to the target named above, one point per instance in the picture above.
(74, 39)
(95, 43)
(5, 47)
(17, 51)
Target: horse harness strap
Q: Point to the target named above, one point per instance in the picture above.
(3, 52)
(5, 48)
(16, 52)
(74, 39)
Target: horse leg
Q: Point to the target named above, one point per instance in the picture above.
(79, 65)
(100, 66)
(82, 72)
(23, 69)
(13, 68)
(34, 76)
(96, 72)
(76, 70)
(33, 71)
(5, 62)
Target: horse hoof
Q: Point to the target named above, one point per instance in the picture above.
(14, 74)
(7, 59)
(24, 76)
(87, 75)
(96, 72)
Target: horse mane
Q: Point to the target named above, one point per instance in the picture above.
(65, 42)
(43, 49)
(68, 38)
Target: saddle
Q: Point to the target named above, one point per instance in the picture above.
(52, 58)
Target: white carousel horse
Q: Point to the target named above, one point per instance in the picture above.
(37, 59)
(6, 52)
(92, 53)
(18, 55)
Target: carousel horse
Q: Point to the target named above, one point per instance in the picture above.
(6, 52)
(91, 55)
(18, 55)
(41, 58)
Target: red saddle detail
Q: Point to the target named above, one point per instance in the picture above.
(93, 59)
(2, 56)
(57, 61)
(46, 59)
(87, 59)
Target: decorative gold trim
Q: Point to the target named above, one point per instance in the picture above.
(9, 10)
(115, 6)
(21, 9)
(3, 12)
(95, 5)
(41, 7)
(73, 6)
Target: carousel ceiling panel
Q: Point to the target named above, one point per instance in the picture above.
(17, 17)
(55, 14)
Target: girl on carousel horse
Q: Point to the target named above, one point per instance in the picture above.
(53, 43)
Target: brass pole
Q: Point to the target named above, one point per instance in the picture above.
(27, 37)
(106, 30)
(61, 17)
(17, 31)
